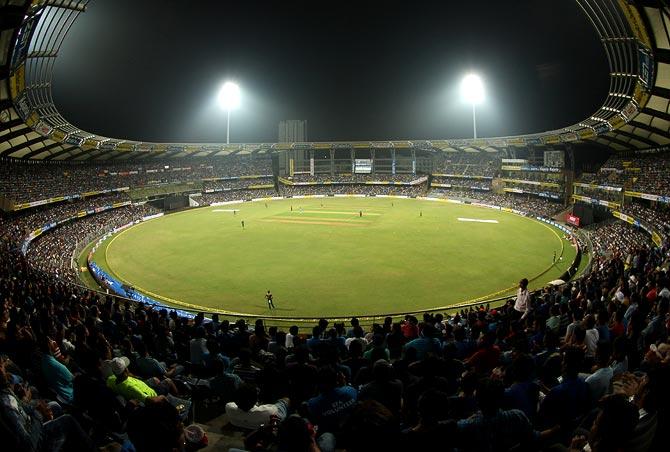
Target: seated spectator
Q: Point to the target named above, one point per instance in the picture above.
(433, 426)
(334, 403)
(426, 343)
(524, 393)
(383, 388)
(599, 381)
(493, 428)
(245, 412)
(225, 383)
(156, 426)
(570, 399)
(147, 366)
(35, 428)
(58, 377)
(125, 385)
(613, 427)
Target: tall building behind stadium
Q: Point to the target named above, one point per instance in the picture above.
(292, 131)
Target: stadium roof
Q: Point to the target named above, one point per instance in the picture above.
(635, 114)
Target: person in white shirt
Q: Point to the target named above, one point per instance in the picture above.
(592, 336)
(245, 412)
(292, 333)
(522, 302)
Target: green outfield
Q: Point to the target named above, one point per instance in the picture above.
(334, 256)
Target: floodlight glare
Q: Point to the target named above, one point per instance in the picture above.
(472, 89)
(229, 96)
(229, 99)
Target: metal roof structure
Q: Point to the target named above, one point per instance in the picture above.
(634, 115)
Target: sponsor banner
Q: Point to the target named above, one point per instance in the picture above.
(512, 190)
(586, 133)
(32, 119)
(463, 176)
(617, 121)
(400, 144)
(74, 140)
(255, 187)
(282, 146)
(37, 232)
(321, 145)
(533, 140)
(381, 145)
(144, 147)
(17, 81)
(361, 145)
(433, 184)
(572, 219)
(601, 128)
(423, 145)
(519, 161)
(151, 217)
(342, 146)
(516, 141)
(640, 94)
(602, 202)
(627, 218)
(597, 187)
(301, 146)
(108, 145)
(90, 144)
(43, 128)
(533, 182)
(650, 197)
(22, 107)
(570, 136)
(58, 135)
(629, 110)
(551, 139)
(125, 146)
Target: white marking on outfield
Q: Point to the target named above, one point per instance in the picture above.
(337, 212)
(226, 210)
(477, 220)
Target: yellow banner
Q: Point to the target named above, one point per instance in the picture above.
(124, 147)
(32, 119)
(635, 21)
(17, 82)
(58, 135)
(586, 133)
(656, 238)
(90, 144)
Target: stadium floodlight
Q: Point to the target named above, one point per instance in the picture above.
(472, 91)
(229, 99)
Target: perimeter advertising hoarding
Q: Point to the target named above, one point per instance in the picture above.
(650, 197)
(572, 219)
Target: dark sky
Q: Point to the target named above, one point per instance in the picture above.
(368, 70)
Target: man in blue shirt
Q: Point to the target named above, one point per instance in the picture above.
(58, 377)
(334, 403)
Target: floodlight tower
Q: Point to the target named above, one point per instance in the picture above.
(472, 92)
(229, 99)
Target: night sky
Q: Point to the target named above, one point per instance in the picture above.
(150, 70)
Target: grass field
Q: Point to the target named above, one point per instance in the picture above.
(320, 257)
